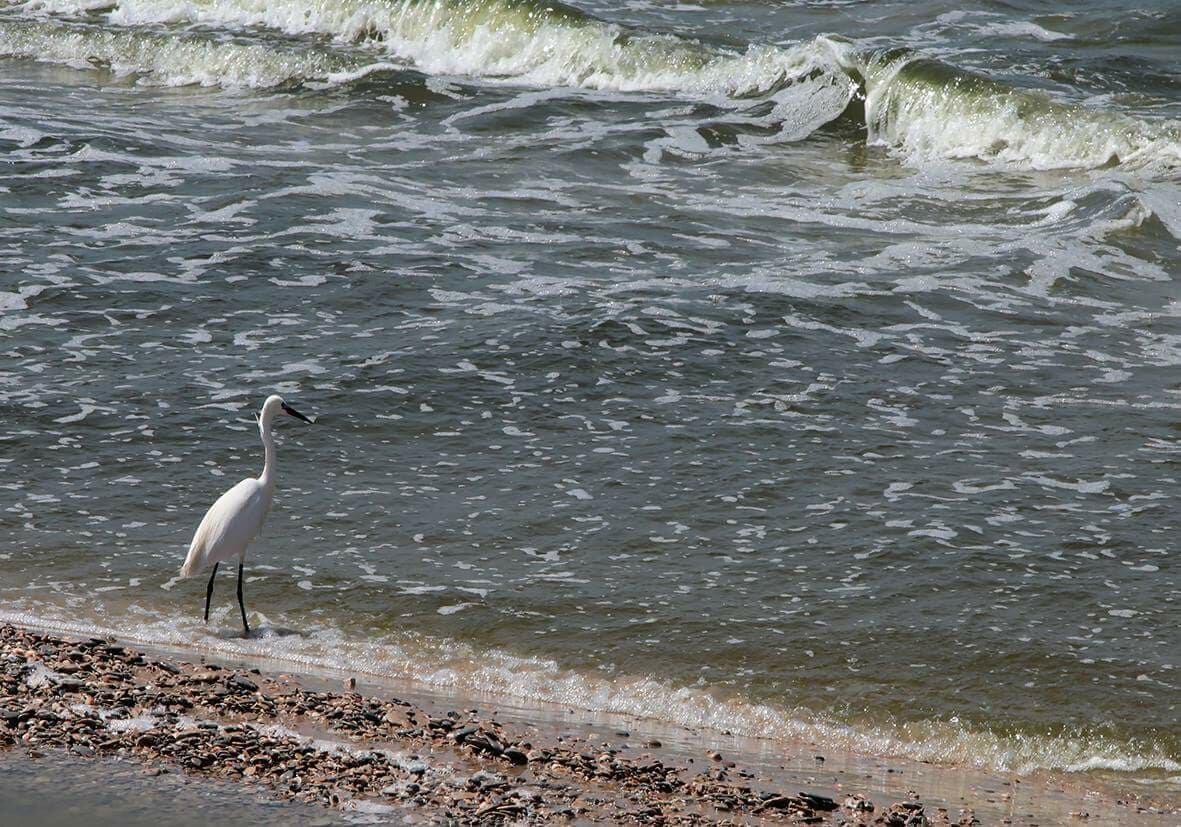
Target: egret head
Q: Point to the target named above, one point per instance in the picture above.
(274, 405)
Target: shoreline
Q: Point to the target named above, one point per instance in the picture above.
(496, 677)
(308, 738)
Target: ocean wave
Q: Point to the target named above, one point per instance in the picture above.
(921, 108)
(929, 109)
(166, 60)
(461, 668)
(542, 44)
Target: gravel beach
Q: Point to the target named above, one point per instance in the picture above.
(384, 759)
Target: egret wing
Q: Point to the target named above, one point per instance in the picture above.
(228, 526)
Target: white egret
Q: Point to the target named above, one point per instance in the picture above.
(235, 519)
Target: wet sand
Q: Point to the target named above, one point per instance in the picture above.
(326, 749)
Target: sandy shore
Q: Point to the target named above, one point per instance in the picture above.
(393, 753)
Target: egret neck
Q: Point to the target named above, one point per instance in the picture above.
(267, 478)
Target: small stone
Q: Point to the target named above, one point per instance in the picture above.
(240, 682)
(778, 802)
(460, 735)
(818, 802)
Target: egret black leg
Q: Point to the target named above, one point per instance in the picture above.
(242, 605)
(209, 591)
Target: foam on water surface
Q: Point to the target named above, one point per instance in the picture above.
(923, 108)
(932, 110)
(160, 59)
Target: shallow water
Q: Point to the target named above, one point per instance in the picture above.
(60, 790)
(713, 362)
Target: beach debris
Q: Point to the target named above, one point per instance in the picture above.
(858, 803)
(903, 814)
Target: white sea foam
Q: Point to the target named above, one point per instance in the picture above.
(932, 110)
(137, 723)
(164, 60)
(1024, 29)
(923, 108)
(40, 675)
(535, 44)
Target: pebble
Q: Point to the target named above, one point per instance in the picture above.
(240, 682)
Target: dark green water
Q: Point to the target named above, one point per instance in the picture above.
(806, 370)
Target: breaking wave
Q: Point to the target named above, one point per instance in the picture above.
(540, 44)
(929, 109)
(165, 60)
(919, 107)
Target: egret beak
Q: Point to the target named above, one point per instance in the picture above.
(290, 410)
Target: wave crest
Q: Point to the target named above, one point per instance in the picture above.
(920, 107)
(929, 109)
(164, 60)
